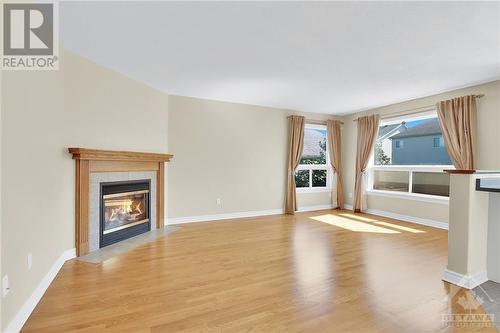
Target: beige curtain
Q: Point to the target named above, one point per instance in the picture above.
(367, 134)
(335, 151)
(458, 119)
(295, 146)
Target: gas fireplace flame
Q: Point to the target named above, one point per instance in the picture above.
(123, 209)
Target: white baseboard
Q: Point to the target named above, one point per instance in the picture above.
(465, 281)
(406, 218)
(227, 216)
(314, 208)
(17, 323)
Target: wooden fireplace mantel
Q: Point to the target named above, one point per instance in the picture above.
(114, 155)
(89, 161)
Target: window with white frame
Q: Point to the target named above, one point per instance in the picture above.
(314, 171)
(410, 157)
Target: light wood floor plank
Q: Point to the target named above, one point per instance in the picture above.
(327, 271)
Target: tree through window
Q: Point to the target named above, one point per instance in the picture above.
(313, 170)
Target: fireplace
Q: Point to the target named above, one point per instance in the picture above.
(94, 167)
(125, 210)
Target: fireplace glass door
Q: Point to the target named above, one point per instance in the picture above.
(124, 210)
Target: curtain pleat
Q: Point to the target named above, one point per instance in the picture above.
(333, 130)
(458, 119)
(367, 134)
(296, 126)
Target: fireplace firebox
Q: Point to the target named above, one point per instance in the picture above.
(125, 210)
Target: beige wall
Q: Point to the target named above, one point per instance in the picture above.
(44, 113)
(234, 152)
(488, 157)
(1, 298)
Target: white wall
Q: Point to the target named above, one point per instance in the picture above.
(44, 113)
(234, 152)
(488, 157)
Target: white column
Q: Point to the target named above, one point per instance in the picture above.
(468, 232)
(494, 238)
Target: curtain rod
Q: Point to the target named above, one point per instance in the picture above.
(319, 122)
(413, 111)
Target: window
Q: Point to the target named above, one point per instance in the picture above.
(435, 143)
(410, 156)
(313, 172)
(438, 142)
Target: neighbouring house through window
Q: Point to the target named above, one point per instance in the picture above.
(438, 142)
(410, 156)
(314, 170)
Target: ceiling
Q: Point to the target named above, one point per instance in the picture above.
(328, 57)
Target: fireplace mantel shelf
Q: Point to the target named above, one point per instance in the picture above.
(88, 161)
(113, 155)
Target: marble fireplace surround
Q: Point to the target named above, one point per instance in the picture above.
(94, 166)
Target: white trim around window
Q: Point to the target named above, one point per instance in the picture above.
(407, 195)
(410, 196)
(417, 168)
(401, 192)
(317, 189)
(312, 167)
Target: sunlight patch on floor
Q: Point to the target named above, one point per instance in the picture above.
(352, 225)
(387, 224)
(359, 223)
(357, 217)
(400, 227)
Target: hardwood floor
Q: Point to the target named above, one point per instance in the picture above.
(327, 271)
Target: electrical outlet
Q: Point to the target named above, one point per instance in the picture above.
(218, 202)
(350, 195)
(5, 285)
(29, 260)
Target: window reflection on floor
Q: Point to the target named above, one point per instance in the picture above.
(312, 259)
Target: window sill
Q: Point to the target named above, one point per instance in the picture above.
(417, 168)
(410, 196)
(312, 189)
